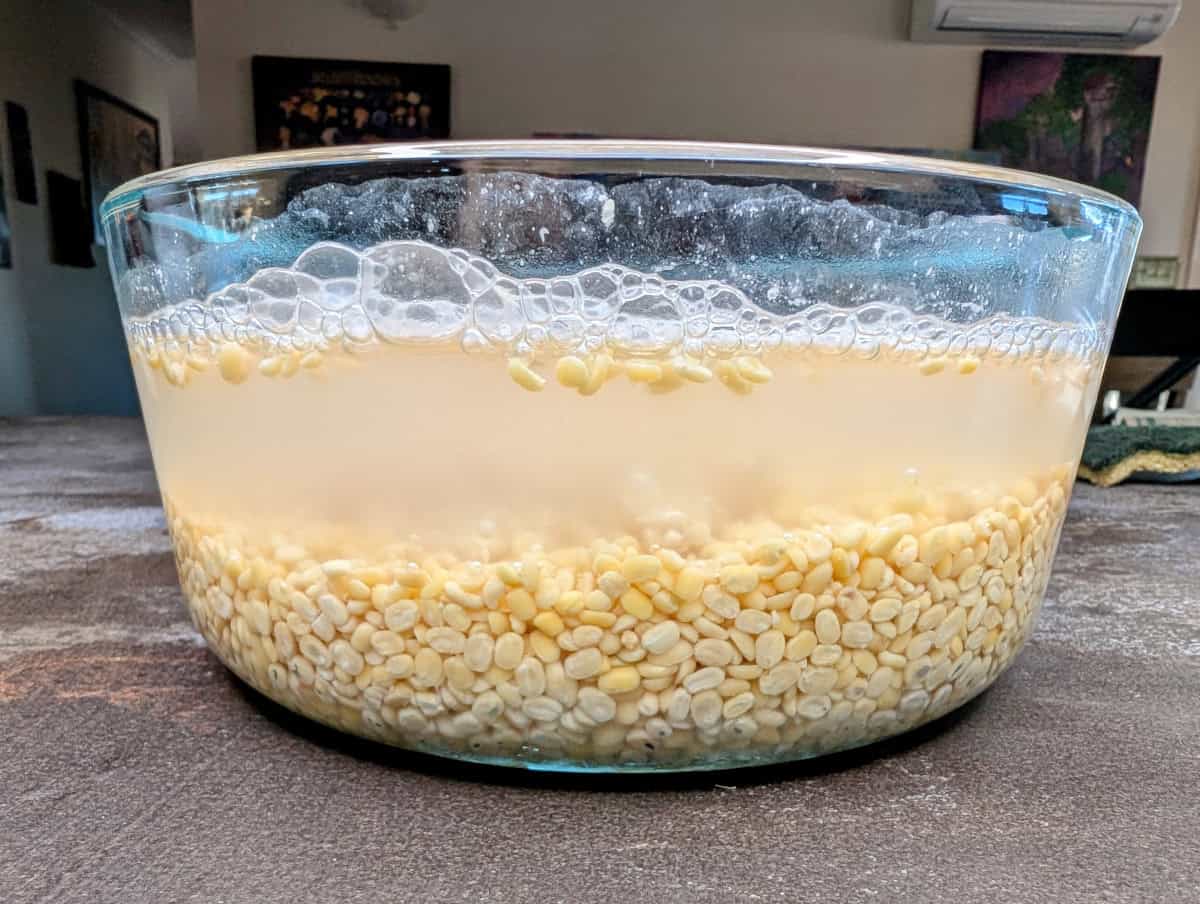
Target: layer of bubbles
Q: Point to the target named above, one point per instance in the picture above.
(417, 292)
(942, 246)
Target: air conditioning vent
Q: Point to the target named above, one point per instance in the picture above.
(1067, 23)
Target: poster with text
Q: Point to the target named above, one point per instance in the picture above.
(301, 103)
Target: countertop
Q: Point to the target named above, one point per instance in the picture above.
(134, 768)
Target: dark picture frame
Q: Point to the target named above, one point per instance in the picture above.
(302, 103)
(5, 228)
(69, 225)
(20, 144)
(117, 142)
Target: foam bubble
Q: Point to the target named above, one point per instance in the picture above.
(329, 261)
(413, 290)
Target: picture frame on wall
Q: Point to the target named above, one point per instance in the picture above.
(70, 231)
(20, 144)
(300, 103)
(5, 228)
(1079, 116)
(117, 142)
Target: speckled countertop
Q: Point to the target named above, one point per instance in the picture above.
(133, 768)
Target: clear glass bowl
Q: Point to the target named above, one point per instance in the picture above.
(615, 455)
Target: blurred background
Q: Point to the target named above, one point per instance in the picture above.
(96, 92)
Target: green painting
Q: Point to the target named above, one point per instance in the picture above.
(1084, 117)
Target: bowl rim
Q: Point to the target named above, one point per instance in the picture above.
(570, 150)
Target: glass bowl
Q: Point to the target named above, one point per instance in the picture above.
(615, 455)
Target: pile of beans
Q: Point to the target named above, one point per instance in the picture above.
(761, 645)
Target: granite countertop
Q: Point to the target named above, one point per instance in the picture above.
(134, 768)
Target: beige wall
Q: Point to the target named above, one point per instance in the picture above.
(760, 70)
(61, 347)
(180, 83)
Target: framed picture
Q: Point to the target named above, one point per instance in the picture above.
(302, 103)
(69, 222)
(20, 144)
(5, 229)
(117, 142)
(1084, 117)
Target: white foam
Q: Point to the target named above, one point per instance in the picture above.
(414, 291)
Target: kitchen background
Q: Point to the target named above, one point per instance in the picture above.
(833, 74)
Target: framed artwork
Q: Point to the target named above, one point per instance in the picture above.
(5, 229)
(301, 103)
(1084, 117)
(20, 144)
(70, 223)
(117, 142)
